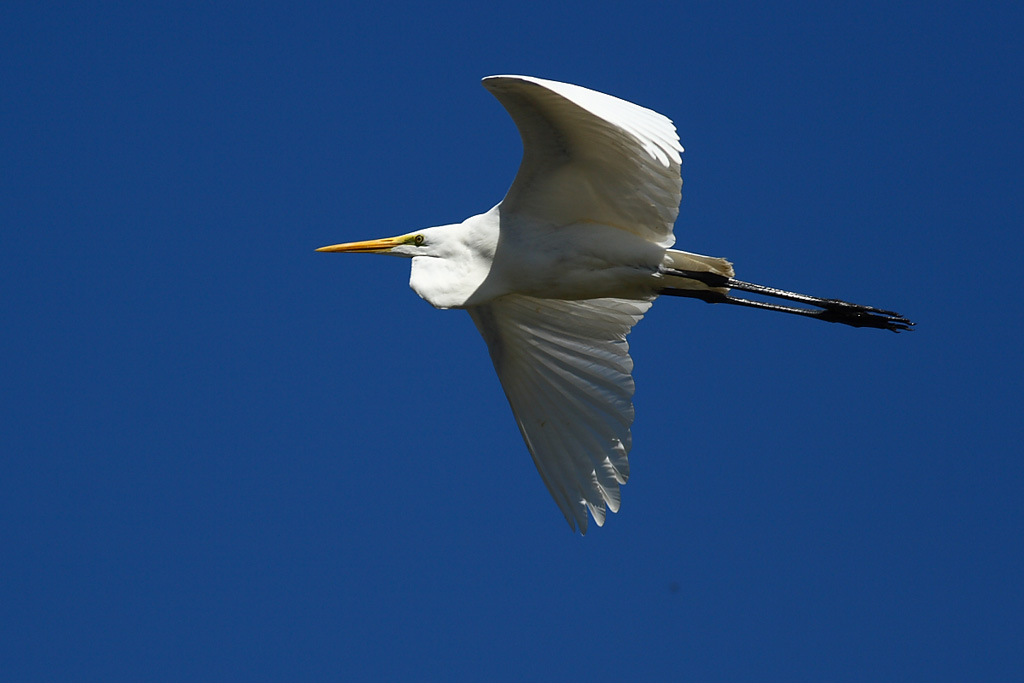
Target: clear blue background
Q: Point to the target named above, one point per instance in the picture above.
(228, 457)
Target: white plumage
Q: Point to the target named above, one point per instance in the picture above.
(565, 367)
(591, 157)
(556, 275)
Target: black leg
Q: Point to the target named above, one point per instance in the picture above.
(829, 310)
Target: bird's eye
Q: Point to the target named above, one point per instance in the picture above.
(418, 240)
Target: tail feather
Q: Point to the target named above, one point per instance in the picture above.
(685, 261)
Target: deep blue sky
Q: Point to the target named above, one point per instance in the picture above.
(226, 456)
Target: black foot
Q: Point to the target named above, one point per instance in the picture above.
(836, 311)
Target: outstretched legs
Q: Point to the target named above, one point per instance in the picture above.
(829, 310)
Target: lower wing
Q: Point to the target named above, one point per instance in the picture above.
(566, 371)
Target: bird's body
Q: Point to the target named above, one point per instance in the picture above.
(557, 273)
(500, 253)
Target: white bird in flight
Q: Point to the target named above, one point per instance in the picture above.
(557, 274)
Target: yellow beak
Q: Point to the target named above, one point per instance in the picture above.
(381, 246)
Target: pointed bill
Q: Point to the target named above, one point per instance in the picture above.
(381, 246)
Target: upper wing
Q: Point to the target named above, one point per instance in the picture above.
(591, 157)
(565, 368)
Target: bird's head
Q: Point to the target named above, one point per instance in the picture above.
(449, 262)
(413, 244)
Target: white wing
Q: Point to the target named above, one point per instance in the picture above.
(565, 368)
(591, 157)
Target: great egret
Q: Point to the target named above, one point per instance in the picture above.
(557, 274)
